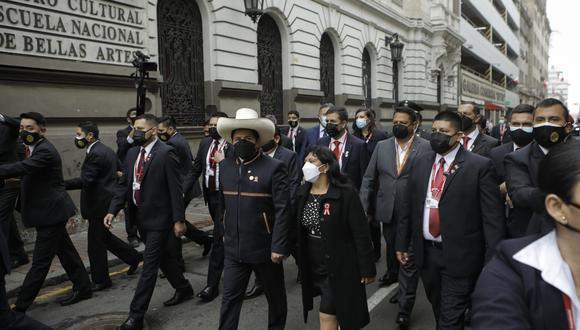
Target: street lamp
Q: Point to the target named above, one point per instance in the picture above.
(396, 56)
(254, 9)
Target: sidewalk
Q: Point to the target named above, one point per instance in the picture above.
(197, 213)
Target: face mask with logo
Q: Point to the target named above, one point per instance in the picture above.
(400, 131)
(29, 138)
(522, 136)
(332, 130)
(323, 121)
(81, 142)
(361, 123)
(548, 135)
(440, 142)
(311, 172)
(164, 136)
(293, 123)
(213, 133)
(245, 149)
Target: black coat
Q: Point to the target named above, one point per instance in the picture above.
(289, 158)
(9, 130)
(521, 168)
(286, 142)
(371, 143)
(497, 156)
(98, 181)
(299, 141)
(348, 251)
(5, 262)
(483, 144)
(256, 198)
(43, 198)
(161, 190)
(122, 145)
(470, 208)
(183, 151)
(200, 162)
(513, 295)
(355, 158)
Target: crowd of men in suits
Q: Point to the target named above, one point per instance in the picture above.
(442, 200)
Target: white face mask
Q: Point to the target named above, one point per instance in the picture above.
(311, 172)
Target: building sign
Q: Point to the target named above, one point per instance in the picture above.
(80, 30)
(479, 88)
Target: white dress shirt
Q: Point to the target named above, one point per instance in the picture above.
(342, 146)
(449, 159)
(402, 152)
(472, 136)
(147, 152)
(544, 255)
(221, 145)
(271, 153)
(321, 131)
(292, 132)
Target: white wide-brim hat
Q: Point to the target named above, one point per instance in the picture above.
(247, 119)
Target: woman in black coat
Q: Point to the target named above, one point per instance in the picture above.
(334, 246)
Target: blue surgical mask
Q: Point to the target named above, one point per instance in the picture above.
(361, 123)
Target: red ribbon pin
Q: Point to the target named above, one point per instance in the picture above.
(326, 209)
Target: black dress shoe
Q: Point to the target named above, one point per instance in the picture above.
(133, 268)
(388, 279)
(254, 292)
(17, 262)
(102, 286)
(75, 297)
(403, 321)
(207, 246)
(179, 297)
(208, 293)
(131, 323)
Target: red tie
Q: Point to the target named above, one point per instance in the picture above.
(465, 142)
(436, 189)
(213, 165)
(26, 152)
(337, 149)
(139, 176)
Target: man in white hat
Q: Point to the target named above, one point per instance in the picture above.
(256, 196)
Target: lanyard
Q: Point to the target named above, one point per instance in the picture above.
(139, 171)
(369, 138)
(401, 165)
(434, 174)
(568, 310)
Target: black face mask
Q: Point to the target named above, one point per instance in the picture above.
(549, 136)
(400, 131)
(269, 146)
(466, 123)
(332, 130)
(440, 143)
(521, 138)
(213, 133)
(81, 143)
(164, 136)
(29, 138)
(139, 137)
(245, 149)
(293, 123)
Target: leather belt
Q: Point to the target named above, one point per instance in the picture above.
(437, 245)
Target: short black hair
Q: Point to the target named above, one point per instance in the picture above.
(450, 116)
(129, 112)
(412, 113)
(89, 127)
(218, 114)
(36, 116)
(340, 111)
(476, 107)
(549, 102)
(521, 108)
(149, 118)
(168, 121)
(294, 112)
(559, 172)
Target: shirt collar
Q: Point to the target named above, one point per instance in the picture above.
(149, 147)
(342, 138)
(450, 157)
(544, 150)
(271, 153)
(473, 135)
(90, 146)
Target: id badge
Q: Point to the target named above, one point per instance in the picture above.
(136, 186)
(432, 203)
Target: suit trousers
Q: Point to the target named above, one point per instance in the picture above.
(101, 240)
(375, 230)
(216, 257)
(8, 225)
(449, 295)
(390, 235)
(160, 252)
(131, 228)
(408, 283)
(52, 241)
(12, 320)
(236, 277)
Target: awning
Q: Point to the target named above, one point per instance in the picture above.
(493, 106)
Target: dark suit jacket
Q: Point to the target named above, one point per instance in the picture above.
(43, 198)
(495, 133)
(483, 144)
(497, 155)
(9, 130)
(470, 208)
(521, 177)
(5, 263)
(377, 136)
(355, 158)
(312, 135)
(382, 188)
(200, 162)
(161, 190)
(513, 295)
(300, 141)
(98, 181)
(122, 145)
(181, 147)
(286, 142)
(288, 157)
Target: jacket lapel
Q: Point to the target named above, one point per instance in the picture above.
(538, 155)
(412, 154)
(477, 142)
(391, 149)
(425, 171)
(149, 159)
(452, 173)
(553, 305)
(347, 154)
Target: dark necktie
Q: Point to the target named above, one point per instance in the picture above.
(465, 142)
(436, 189)
(139, 177)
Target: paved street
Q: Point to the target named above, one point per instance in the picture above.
(108, 308)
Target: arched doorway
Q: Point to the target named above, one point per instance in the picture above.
(181, 61)
(270, 67)
(366, 77)
(327, 68)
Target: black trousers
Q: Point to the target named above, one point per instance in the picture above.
(10, 319)
(236, 277)
(8, 196)
(50, 242)
(216, 257)
(449, 295)
(160, 252)
(375, 229)
(101, 240)
(390, 235)
(408, 282)
(131, 228)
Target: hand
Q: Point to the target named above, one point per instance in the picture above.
(71, 224)
(403, 257)
(503, 189)
(278, 258)
(179, 228)
(219, 156)
(367, 280)
(108, 221)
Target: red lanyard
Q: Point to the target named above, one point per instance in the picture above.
(434, 174)
(568, 310)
